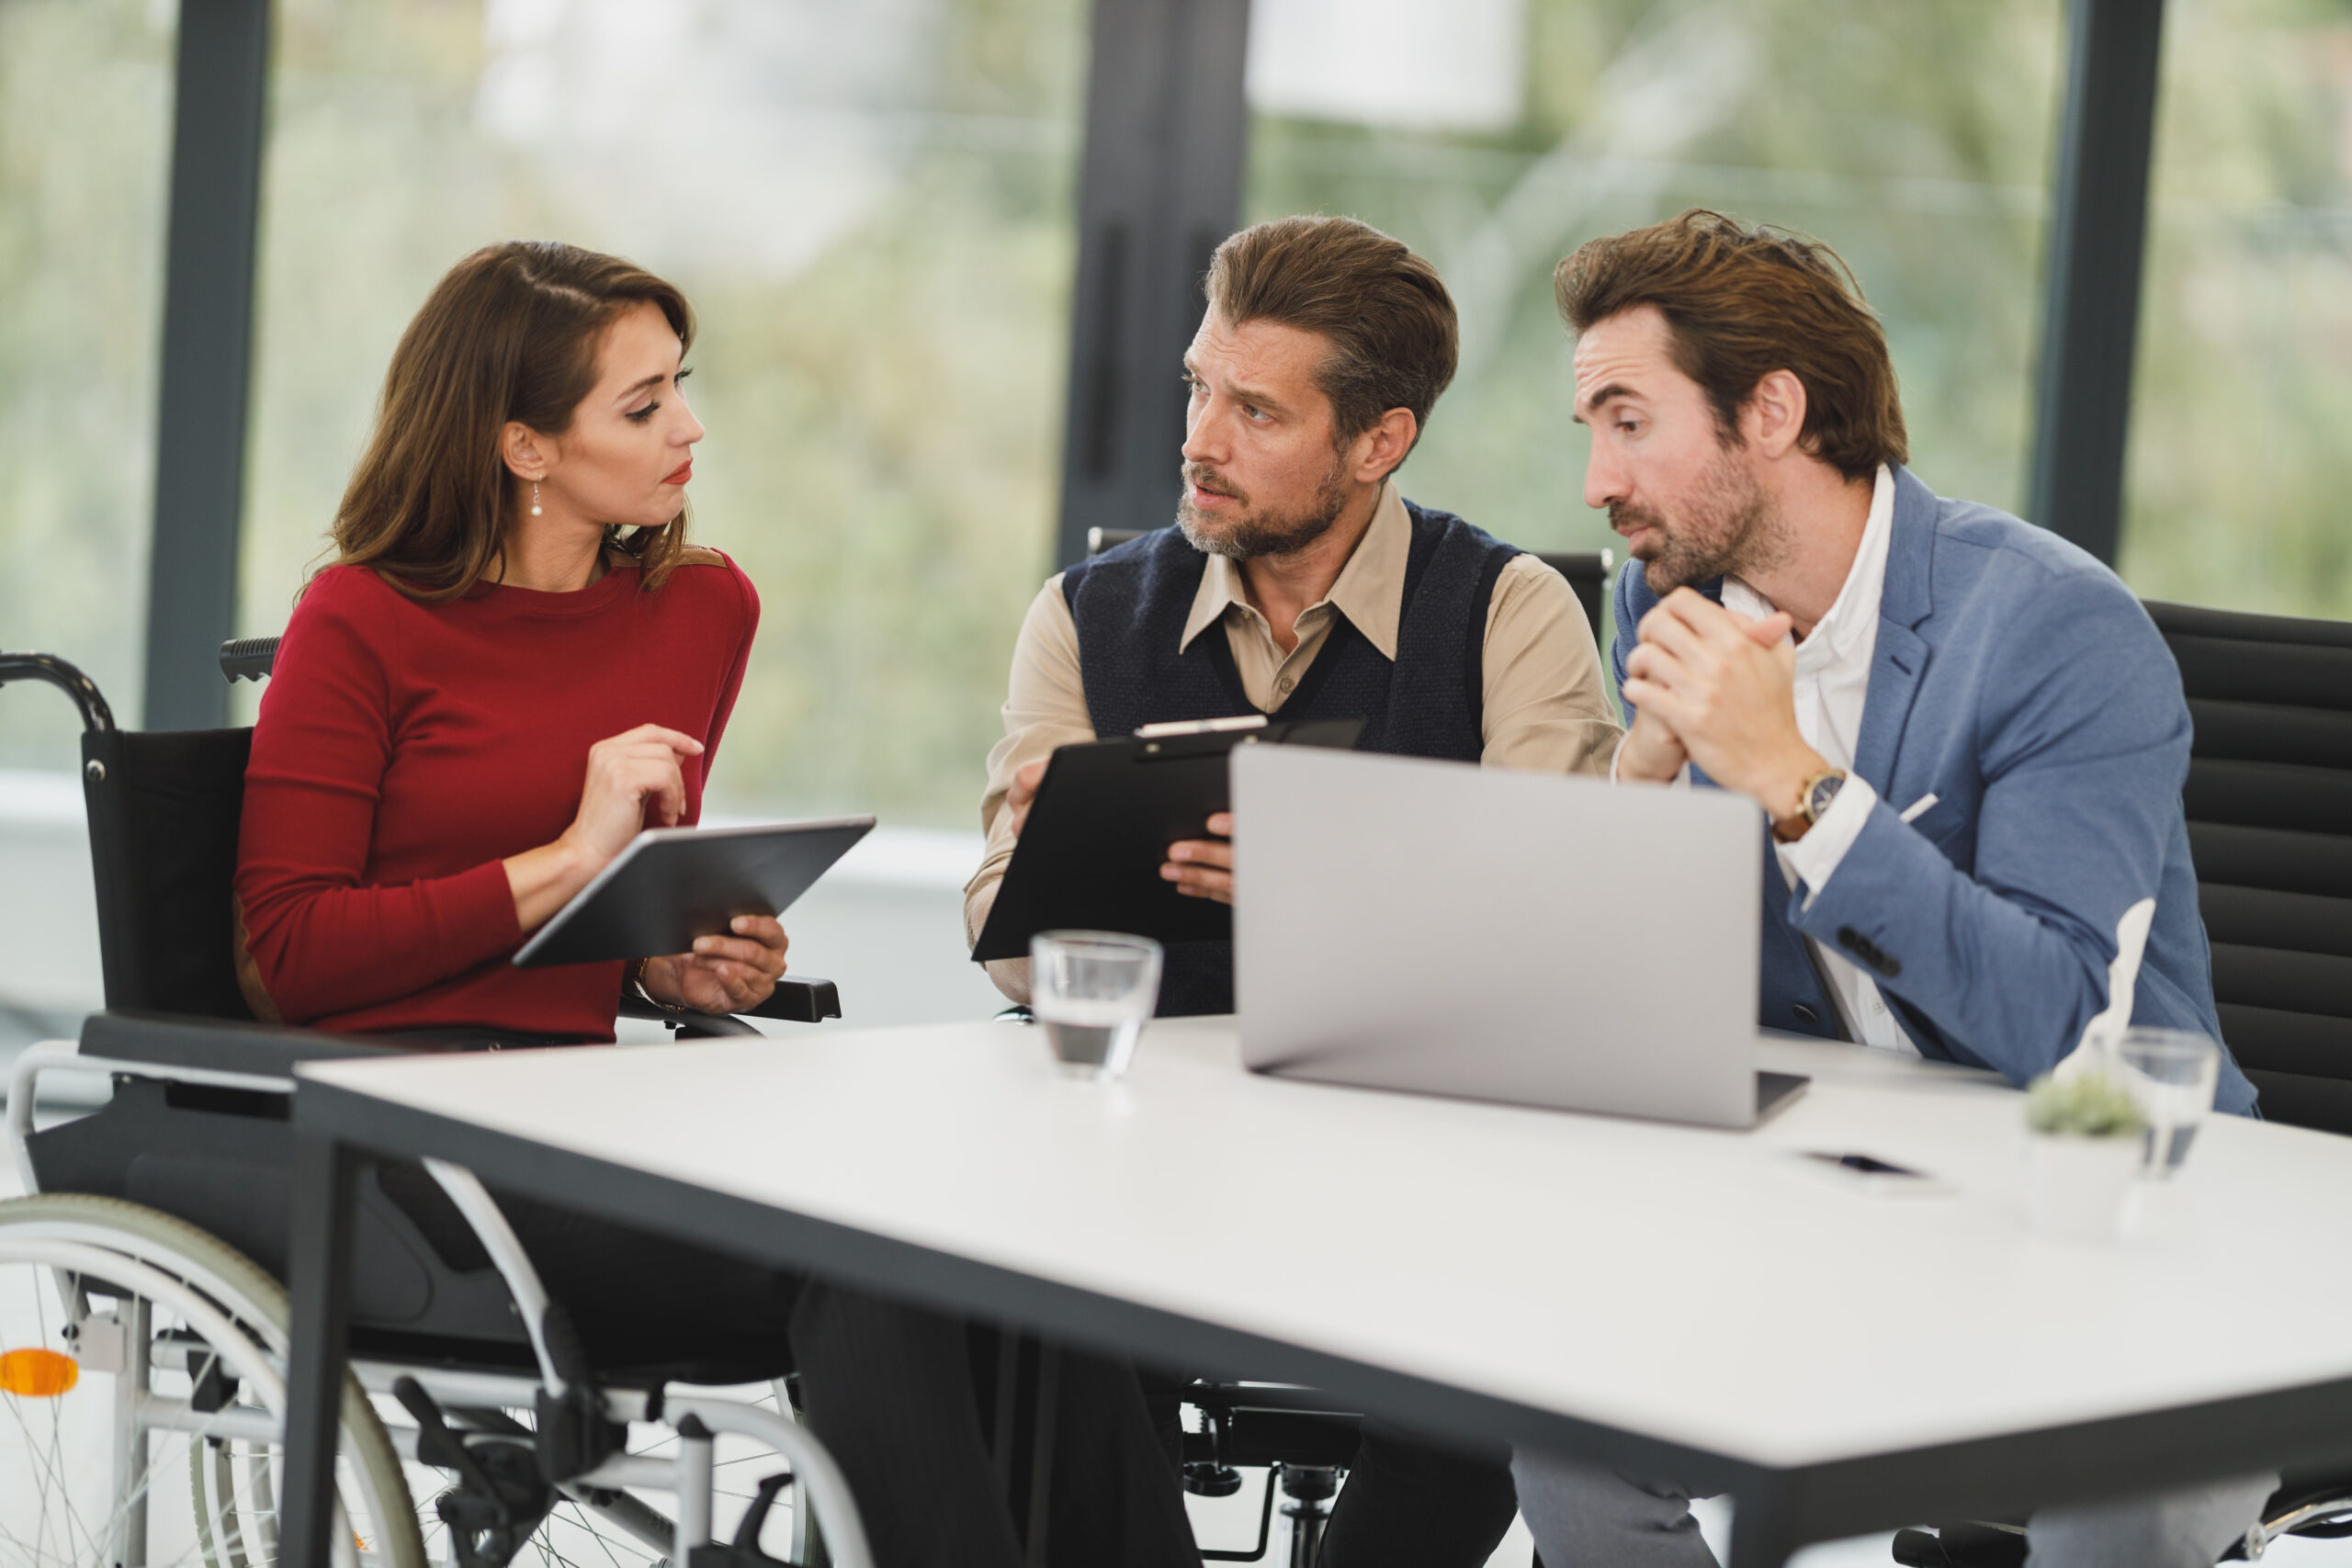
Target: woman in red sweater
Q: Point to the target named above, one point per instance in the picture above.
(515, 662)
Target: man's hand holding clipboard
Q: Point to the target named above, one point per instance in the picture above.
(1132, 835)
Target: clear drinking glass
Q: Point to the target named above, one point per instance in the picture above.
(1091, 992)
(2171, 1073)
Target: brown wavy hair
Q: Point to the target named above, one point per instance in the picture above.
(1389, 320)
(512, 333)
(1742, 301)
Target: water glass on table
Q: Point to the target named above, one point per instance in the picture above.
(1091, 992)
(2171, 1073)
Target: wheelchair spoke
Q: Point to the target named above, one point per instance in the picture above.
(588, 1522)
(51, 1482)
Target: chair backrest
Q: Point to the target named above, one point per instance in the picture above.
(2269, 807)
(1587, 570)
(163, 809)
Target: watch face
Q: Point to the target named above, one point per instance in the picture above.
(1825, 790)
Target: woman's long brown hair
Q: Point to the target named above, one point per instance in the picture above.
(512, 333)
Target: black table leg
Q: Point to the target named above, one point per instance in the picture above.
(326, 1175)
(1761, 1532)
(1041, 1466)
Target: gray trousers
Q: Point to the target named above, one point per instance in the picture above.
(1590, 1516)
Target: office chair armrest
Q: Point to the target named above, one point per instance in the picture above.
(220, 1045)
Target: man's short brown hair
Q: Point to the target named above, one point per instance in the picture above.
(1741, 301)
(1389, 320)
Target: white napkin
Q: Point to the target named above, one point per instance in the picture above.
(2106, 1026)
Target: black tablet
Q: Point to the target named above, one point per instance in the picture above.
(1106, 811)
(673, 885)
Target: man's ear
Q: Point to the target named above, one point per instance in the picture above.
(1376, 454)
(1773, 417)
(525, 450)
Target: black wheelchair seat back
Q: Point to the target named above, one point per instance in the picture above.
(164, 809)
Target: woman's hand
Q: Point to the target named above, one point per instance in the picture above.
(723, 974)
(633, 778)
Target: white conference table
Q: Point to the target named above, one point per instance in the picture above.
(1695, 1303)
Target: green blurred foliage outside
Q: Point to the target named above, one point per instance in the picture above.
(885, 412)
(85, 133)
(1914, 138)
(2240, 485)
(884, 415)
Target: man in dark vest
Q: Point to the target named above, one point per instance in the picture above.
(1297, 579)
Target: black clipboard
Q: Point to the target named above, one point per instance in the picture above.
(673, 885)
(1089, 855)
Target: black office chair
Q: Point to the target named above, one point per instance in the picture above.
(1587, 570)
(2269, 804)
(2269, 808)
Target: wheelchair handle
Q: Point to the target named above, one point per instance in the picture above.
(96, 716)
(248, 659)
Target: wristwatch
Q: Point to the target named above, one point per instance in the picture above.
(1812, 799)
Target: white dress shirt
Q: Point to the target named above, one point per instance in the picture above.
(1833, 678)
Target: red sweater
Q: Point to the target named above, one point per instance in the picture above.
(404, 749)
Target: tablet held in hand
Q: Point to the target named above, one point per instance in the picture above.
(673, 885)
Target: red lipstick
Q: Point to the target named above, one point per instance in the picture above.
(685, 471)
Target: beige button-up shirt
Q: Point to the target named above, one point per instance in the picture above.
(1546, 708)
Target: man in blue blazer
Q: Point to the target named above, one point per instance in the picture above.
(1967, 738)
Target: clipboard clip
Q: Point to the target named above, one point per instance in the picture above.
(1153, 735)
(1202, 727)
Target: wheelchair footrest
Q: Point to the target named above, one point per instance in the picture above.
(500, 1497)
(744, 1551)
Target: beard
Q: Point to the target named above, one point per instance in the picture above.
(1254, 531)
(1729, 528)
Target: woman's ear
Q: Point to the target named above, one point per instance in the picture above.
(524, 451)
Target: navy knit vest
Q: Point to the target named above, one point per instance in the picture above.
(1130, 604)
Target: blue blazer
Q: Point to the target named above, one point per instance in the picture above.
(2019, 681)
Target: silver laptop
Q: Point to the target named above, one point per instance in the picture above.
(1521, 937)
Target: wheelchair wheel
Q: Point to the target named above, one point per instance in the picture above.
(143, 1396)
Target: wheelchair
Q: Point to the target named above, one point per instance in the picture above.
(143, 1327)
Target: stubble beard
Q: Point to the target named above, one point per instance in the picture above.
(1730, 529)
(1253, 532)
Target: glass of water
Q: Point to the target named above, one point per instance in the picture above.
(2171, 1073)
(1091, 992)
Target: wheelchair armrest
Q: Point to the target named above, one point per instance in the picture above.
(220, 1044)
(689, 1025)
(794, 1001)
(801, 1001)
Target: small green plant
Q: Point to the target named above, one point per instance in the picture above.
(2091, 1105)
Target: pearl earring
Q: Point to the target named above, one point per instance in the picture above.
(534, 499)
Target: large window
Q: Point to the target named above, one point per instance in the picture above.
(86, 112)
(869, 205)
(85, 115)
(2240, 488)
(1496, 135)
